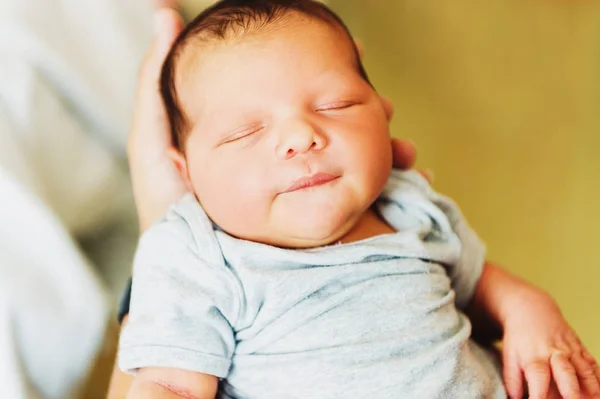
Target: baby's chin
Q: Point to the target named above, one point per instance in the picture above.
(298, 229)
(309, 233)
(317, 224)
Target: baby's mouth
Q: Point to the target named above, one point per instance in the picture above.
(317, 179)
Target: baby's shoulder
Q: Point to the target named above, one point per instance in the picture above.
(407, 187)
(409, 202)
(185, 227)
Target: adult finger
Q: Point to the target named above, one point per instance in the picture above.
(149, 114)
(565, 375)
(586, 374)
(404, 153)
(537, 374)
(513, 377)
(167, 25)
(166, 3)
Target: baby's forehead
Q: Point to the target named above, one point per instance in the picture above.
(203, 47)
(250, 66)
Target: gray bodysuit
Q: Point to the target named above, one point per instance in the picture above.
(377, 318)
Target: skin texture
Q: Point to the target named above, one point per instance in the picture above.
(541, 353)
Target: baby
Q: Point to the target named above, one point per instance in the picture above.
(303, 266)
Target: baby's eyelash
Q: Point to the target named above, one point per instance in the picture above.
(336, 106)
(241, 135)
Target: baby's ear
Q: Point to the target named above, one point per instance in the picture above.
(388, 107)
(359, 48)
(181, 165)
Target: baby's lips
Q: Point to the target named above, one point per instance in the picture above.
(316, 179)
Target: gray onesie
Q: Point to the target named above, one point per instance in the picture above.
(377, 318)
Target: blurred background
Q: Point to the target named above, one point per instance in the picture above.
(502, 99)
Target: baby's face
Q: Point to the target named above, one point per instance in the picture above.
(289, 145)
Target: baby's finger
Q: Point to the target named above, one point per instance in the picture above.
(565, 376)
(586, 373)
(537, 374)
(553, 391)
(513, 377)
(592, 361)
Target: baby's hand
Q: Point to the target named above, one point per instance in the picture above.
(540, 346)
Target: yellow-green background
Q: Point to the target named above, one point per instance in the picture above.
(502, 99)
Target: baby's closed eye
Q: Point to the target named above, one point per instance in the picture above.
(336, 106)
(242, 133)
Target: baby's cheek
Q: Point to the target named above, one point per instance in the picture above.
(237, 203)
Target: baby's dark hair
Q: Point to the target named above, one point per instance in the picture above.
(234, 19)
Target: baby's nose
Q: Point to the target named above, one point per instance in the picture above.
(302, 139)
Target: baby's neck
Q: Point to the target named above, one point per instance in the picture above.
(369, 225)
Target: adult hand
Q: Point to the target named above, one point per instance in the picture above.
(156, 182)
